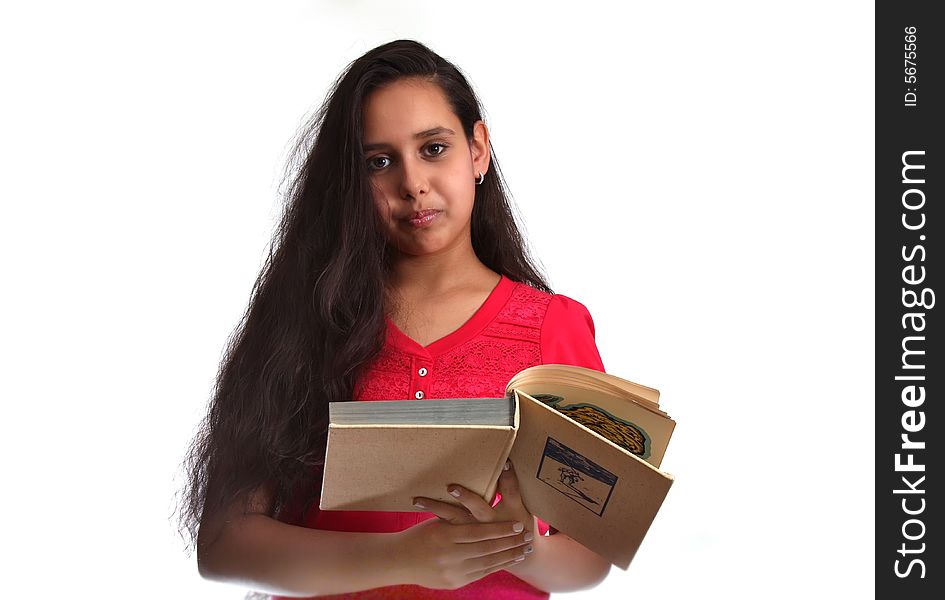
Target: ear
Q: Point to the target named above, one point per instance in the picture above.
(479, 149)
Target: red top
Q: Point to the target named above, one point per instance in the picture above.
(516, 327)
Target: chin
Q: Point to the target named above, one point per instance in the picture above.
(414, 249)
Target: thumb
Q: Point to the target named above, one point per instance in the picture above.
(508, 484)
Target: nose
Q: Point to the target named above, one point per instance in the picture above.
(413, 180)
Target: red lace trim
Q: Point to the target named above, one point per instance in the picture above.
(478, 368)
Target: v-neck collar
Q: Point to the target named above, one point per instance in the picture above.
(484, 315)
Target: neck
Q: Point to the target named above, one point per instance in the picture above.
(439, 273)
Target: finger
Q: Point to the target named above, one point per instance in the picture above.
(480, 574)
(474, 503)
(477, 532)
(508, 484)
(448, 512)
(487, 547)
(496, 561)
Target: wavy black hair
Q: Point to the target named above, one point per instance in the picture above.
(315, 319)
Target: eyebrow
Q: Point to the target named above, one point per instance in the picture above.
(435, 131)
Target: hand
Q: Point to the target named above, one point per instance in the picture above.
(557, 563)
(439, 554)
(474, 509)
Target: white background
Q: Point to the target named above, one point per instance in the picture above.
(698, 174)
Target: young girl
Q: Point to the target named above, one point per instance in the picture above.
(398, 273)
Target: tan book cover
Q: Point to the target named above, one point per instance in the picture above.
(586, 448)
(584, 485)
(384, 467)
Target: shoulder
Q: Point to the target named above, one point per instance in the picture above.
(525, 306)
(568, 334)
(543, 308)
(563, 310)
(562, 326)
(567, 322)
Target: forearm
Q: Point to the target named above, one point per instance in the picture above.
(261, 553)
(560, 564)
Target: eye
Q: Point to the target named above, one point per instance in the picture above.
(436, 148)
(376, 163)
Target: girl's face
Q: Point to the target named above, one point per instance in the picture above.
(421, 166)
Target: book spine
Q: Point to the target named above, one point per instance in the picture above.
(490, 493)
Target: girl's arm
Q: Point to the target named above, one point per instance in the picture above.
(263, 554)
(560, 564)
(256, 551)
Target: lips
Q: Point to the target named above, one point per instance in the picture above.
(422, 218)
(422, 213)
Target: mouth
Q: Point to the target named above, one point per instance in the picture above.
(422, 218)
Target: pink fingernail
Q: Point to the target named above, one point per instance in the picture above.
(518, 527)
(520, 559)
(455, 493)
(528, 536)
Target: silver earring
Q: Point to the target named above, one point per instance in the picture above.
(480, 179)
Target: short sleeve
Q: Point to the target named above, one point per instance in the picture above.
(567, 335)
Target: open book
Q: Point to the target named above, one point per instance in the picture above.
(586, 446)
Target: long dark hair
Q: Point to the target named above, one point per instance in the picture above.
(315, 319)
